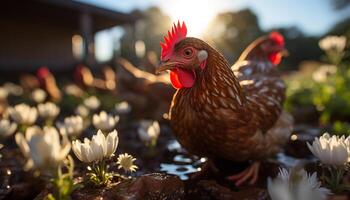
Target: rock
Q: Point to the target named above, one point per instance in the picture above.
(15, 183)
(153, 186)
(211, 190)
(150, 186)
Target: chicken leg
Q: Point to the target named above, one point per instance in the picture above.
(249, 175)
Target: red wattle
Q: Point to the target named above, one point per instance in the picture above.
(174, 78)
(275, 58)
(181, 78)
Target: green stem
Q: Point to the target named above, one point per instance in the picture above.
(336, 179)
(63, 182)
(57, 183)
(100, 174)
(22, 128)
(49, 122)
(71, 167)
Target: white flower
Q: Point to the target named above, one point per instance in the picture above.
(3, 93)
(104, 121)
(82, 110)
(23, 114)
(323, 72)
(48, 110)
(42, 147)
(98, 148)
(332, 42)
(7, 128)
(330, 150)
(38, 95)
(296, 185)
(122, 107)
(126, 162)
(148, 131)
(347, 142)
(72, 126)
(92, 103)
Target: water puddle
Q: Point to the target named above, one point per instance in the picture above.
(181, 164)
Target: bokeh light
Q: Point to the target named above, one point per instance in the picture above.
(196, 14)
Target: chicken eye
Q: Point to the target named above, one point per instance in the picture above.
(188, 52)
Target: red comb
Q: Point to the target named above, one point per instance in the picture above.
(178, 32)
(43, 72)
(277, 37)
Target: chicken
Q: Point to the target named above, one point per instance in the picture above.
(222, 113)
(48, 83)
(145, 90)
(84, 78)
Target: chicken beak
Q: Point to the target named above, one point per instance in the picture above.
(165, 65)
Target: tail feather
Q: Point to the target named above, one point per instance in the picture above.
(252, 60)
(253, 50)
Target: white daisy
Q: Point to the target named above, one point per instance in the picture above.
(126, 162)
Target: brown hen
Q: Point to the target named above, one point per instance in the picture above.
(222, 113)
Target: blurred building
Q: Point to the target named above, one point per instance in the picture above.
(55, 33)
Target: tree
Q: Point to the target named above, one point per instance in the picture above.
(150, 29)
(340, 4)
(231, 32)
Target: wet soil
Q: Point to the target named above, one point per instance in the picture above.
(165, 172)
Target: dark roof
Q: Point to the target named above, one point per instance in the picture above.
(64, 12)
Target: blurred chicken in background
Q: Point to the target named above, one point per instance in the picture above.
(85, 78)
(149, 93)
(48, 83)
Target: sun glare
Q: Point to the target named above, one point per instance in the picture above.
(196, 14)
